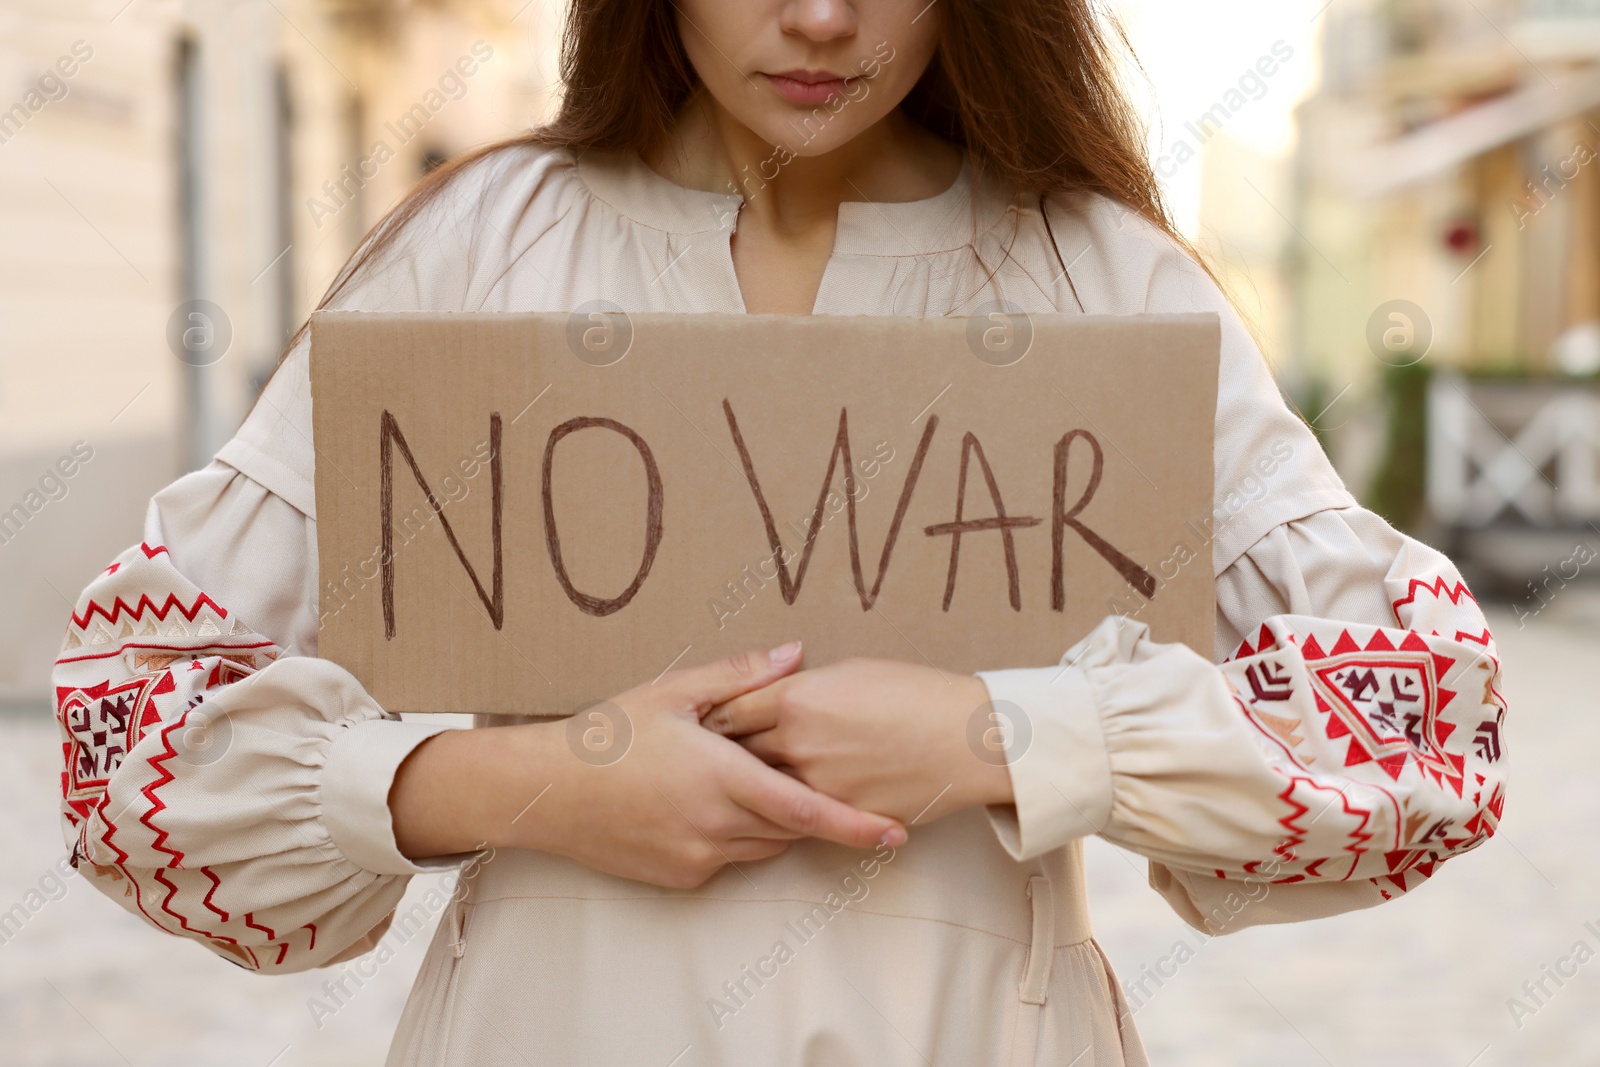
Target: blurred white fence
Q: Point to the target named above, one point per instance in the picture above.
(1513, 449)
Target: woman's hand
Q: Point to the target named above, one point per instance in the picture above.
(880, 735)
(634, 787)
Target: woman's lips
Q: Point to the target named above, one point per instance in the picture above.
(808, 87)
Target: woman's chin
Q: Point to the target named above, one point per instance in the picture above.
(801, 137)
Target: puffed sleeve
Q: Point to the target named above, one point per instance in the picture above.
(218, 780)
(1349, 744)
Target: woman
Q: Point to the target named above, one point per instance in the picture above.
(691, 904)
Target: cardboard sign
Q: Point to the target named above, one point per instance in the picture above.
(525, 513)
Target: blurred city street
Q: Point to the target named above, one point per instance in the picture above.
(1424, 980)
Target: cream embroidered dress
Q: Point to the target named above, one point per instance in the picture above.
(1341, 742)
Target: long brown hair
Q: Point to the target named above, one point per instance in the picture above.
(1028, 87)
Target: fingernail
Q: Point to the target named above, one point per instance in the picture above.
(784, 653)
(893, 837)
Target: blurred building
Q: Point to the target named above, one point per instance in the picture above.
(1446, 260)
(1450, 136)
(180, 182)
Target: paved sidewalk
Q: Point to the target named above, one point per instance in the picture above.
(1423, 980)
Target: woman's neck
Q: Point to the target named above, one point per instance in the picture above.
(893, 160)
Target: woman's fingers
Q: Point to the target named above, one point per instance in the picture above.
(745, 714)
(751, 824)
(749, 849)
(764, 746)
(796, 806)
(723, 680)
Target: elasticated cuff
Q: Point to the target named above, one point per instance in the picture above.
(1060, 772)
(356, 779)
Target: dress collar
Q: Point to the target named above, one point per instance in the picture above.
(939, 223)
(635, 191)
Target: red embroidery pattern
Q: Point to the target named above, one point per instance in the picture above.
(141, 652)
(1385, 761)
